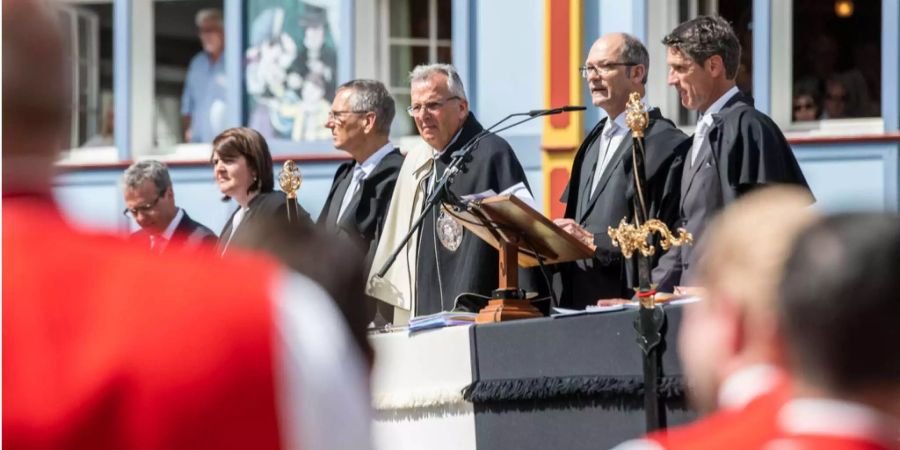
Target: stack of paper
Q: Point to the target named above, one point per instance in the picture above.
(441, 319)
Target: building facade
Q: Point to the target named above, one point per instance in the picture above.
(283, 60)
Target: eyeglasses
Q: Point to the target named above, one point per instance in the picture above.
(802, 106)
(336, 115)
(430, 106)
(601, 69)
(143, 209)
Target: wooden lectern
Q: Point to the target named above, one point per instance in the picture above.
(522, 236)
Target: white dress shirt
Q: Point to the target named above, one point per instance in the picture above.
(613, 133)
(360, 173)
(705, 121)
(158, 242)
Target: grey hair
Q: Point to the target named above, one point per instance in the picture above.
(633, 51)
(208, 13)
(372, 96)
(706, 36)
(424, 72)
(148, 170)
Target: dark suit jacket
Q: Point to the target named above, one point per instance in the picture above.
(265, 206)
(188, 233)
(364, 217)
(743, 150)
(607, 274)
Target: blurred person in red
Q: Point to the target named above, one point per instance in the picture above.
(838, 310)
(215, 354)
(729, 343)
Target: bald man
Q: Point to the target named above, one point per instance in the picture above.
(600, 191)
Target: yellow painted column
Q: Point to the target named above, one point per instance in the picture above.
(562, 133)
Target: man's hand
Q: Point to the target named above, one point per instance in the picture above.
(614, 301)
(573, 228)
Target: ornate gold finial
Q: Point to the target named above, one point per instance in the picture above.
(290, 179)
(632, 238)
(636, 116)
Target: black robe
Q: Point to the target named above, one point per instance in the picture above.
(363, 220)
(442, 274)
(608, 274)
(743, 150)
(263, 207)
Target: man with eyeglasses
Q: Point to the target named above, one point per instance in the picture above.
(203, 98)
(443, 261)
(360, 123)
(600, 189)
(735, 147)
(150, 201)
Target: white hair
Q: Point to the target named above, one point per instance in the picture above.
(424, 72)
(208, 13)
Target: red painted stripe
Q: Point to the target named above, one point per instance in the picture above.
(887, 137)
(559, 178)
(555, 149)
(560, 65)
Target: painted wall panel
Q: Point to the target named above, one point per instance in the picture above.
(510, 55)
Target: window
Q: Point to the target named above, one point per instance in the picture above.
(414, 32)
(836, 60)
(176, 41)
(87, 30)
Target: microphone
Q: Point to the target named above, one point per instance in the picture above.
(550, 112)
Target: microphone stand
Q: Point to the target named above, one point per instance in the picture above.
(460, 158)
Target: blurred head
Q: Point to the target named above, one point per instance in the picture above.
(735, 325)
(360, 117)
(35, 96)
(615, 67)
(703, 55)
(242, 164)
(149, 197)
(212, 34)
(805, 106)
(438, 104)
(839, 309)
(836, 97)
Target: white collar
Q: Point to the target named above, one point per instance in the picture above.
(747, 384)
(620, 119)
(437, 153)
(719, 104)
(839, 418)
(369, 164)
(170, 230)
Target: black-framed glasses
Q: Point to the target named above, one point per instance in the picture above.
(143, 209)
(429, 106)
(602, 69)
(336, 114)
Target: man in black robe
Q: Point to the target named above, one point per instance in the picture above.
(360, 123)
(735, 147)
(601, 187)
(443, 260)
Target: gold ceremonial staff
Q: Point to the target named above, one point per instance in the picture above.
(290, 180)
(637, 237)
